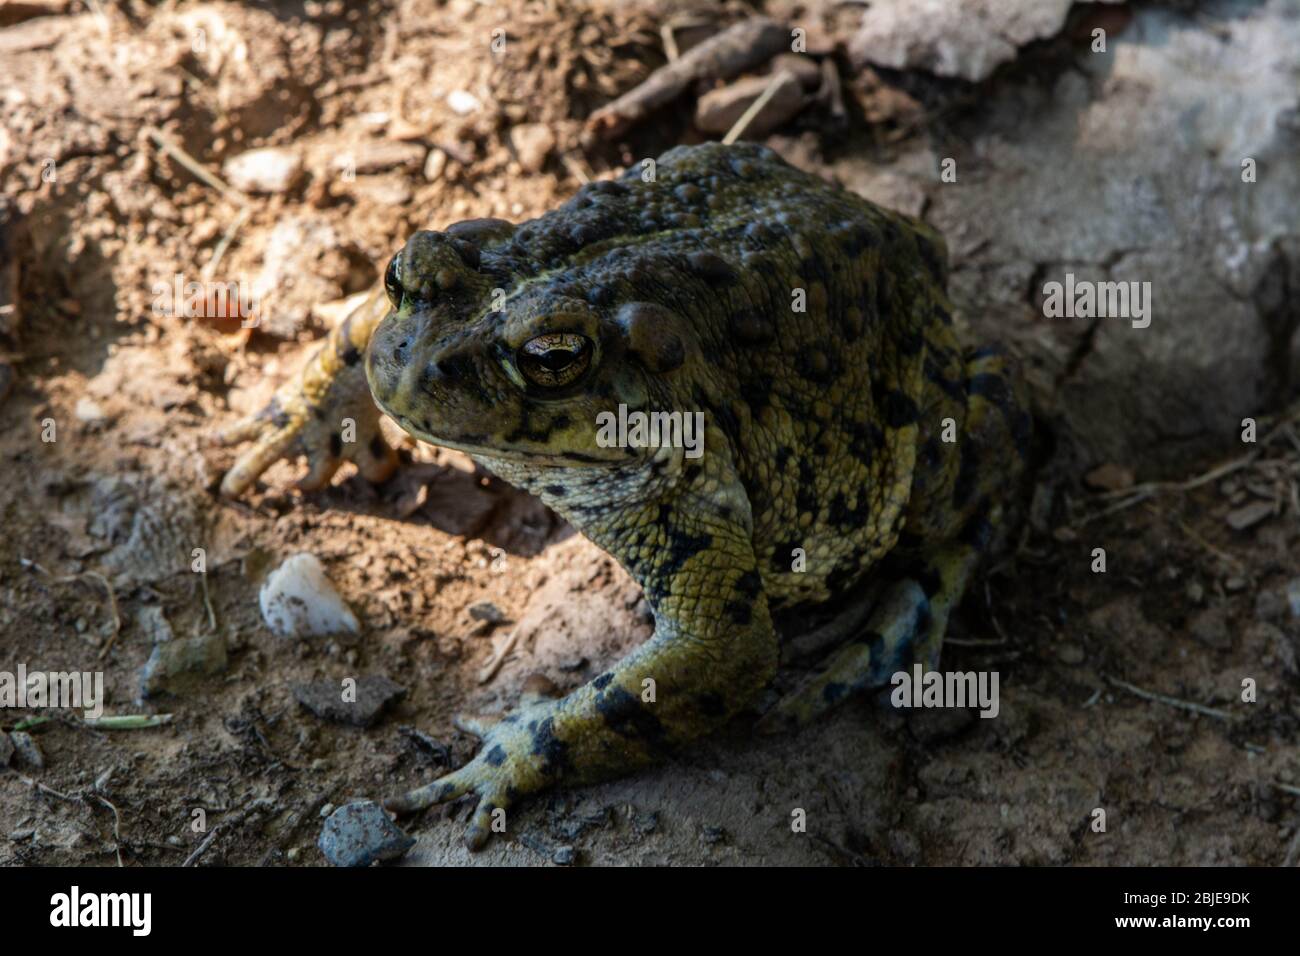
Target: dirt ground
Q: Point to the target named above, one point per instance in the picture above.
(1121, 691)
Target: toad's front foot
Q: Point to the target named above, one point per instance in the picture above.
(324, 413)
(514, 760)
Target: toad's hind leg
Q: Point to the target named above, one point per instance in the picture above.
(906, 626)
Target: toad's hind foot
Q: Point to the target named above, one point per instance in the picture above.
(906, 626)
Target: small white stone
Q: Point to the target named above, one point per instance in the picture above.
(463, 102)
(298, 600)
(89, 411)
(263, 170)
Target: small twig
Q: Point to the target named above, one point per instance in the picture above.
(127, 721)
(235, 820)
(738, 128)
(112, 607)
(498, 657)
(195, 167)
(1170, 701)
(117, 827)
(1217, 552)
(210, 269)
(207, 603)
(1139, 493)
(37, 785)
(670, 42)
(27, 723)
(576, 169)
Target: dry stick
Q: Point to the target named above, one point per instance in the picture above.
(1217, 552)
(1170, 701)
(117, 827)
(209, 270)
(37, 785)
(498, 658)
(1142, 492)
(747, 117)
(234, 195)
(237, 818)
(740, 47)
(207, 603)
(195, 167)
(670, 43)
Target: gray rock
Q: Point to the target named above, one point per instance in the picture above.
(153, 624)
(374, 695)
(718, 110)
(27, 750)
(1097, 185)
(174, 662)
(360, 833)
(533, 142)
(563, 856)
(150, 526)
(487, 612)
(1210, 627)
(961, 38)
(1239, 519)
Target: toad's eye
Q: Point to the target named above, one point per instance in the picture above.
(555, 359)
(393, 281)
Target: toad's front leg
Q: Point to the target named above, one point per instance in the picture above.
(712, 651)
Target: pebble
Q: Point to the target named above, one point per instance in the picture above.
(434, 164)
(712, 835)
(89, 411)
(803, 67)
(463, 102)
(718, 110)
(361, 833)
(563, 856)
(1239, 519)
(298, 600)
(380, 157)
(269, 170)
(486, 611)
(1210, 627)
(1109, 477)
(1070, 654)
(28, 750)
(172, 661)
(533, 142)
(374, 695)
(153, 624)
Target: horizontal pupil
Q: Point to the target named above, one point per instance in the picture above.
(556, 359)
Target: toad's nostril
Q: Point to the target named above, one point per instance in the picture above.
(399, 351)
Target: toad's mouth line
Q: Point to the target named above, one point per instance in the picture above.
(474, 449)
